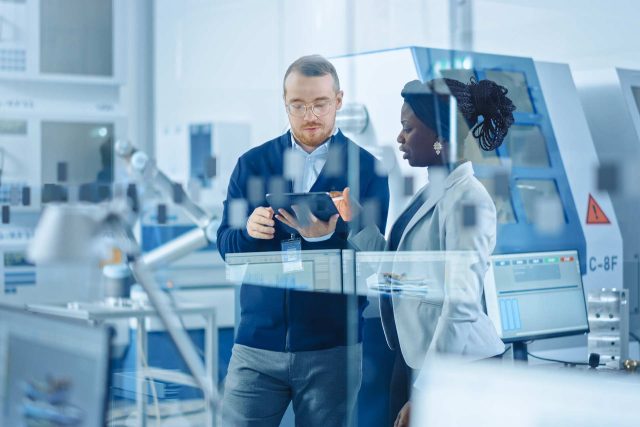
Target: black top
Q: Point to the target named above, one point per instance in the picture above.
(401, 223)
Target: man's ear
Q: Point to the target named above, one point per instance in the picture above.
(339, 96)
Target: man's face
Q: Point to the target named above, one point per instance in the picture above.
(312, 130)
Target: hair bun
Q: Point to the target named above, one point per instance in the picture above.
(491, 102)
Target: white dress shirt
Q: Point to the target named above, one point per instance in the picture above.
(308, 170)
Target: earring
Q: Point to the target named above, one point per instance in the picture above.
(437, 146)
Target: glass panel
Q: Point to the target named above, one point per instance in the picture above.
(460, 74)
(502, 199)
(527, 147)
(636, 96)
(85, 148)
(76, 43)
(536, 195)
(472, 150)
(516, 83)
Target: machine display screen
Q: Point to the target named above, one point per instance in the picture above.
(52, 372)
(516, 83)
(537, 295)
(13, 127)
(16, 259)
(200, 141)
(85, 47)
(527, 147)
(542, 203)
(313, 270)
(18, 271)
(85, 150)
(501, 198)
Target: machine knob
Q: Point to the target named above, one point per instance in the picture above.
(631, 365)
(123, 148)
(139, 161)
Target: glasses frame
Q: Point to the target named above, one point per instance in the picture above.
(311, 107)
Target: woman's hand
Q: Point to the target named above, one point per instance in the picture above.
(306, 223)
(403, 416)
(344, 204)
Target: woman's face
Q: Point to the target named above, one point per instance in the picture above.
(416, 140)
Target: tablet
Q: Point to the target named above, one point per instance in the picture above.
(318, 203)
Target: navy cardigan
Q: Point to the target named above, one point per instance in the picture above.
(284, 319)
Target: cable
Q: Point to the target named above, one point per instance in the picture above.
(143, 358)
(195, 411)
(566, 362)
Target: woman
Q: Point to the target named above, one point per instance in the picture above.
(457, 216)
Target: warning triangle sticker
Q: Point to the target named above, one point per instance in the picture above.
(595, 214)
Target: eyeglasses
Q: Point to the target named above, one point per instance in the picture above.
(320, 108)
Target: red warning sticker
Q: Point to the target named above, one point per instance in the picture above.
(595, 214)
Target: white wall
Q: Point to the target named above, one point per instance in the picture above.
(224, 60)
(583, 33)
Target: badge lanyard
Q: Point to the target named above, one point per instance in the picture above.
(291, 254)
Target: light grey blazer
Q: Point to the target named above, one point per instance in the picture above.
(456, 323)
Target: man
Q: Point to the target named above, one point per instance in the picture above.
(293, 346)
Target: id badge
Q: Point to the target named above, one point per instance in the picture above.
(291, 255)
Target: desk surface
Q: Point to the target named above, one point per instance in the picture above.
(103, 311)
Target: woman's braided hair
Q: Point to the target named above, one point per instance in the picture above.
(487, 99)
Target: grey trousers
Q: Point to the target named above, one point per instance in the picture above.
(322, 386)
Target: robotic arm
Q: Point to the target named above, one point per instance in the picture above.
(189, 242)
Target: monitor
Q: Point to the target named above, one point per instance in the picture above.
(308, 270)
(527, 147)
(542, 203)
(52, 371)
(533, 296)
(77, 153)
(498, 188)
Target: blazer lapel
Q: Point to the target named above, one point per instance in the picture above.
(331, 181)
(428, 204)
(459, 173)
(420, 194)
(284, 146)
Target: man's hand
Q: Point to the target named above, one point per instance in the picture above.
(306, 223)
(403, 416)
(260, 224)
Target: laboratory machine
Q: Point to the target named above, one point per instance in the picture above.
(611, 101)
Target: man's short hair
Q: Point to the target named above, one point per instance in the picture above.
(312, 66)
